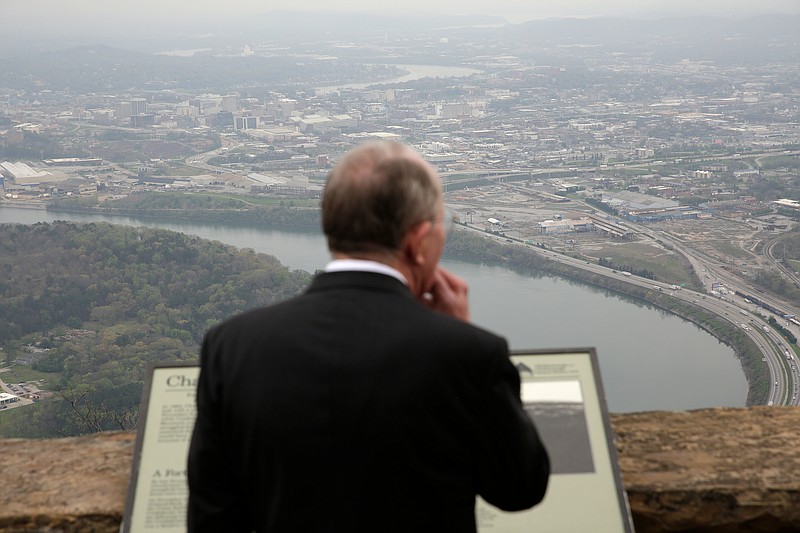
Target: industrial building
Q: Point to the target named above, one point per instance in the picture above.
(7, 399)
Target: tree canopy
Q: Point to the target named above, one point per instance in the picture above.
(106, 300)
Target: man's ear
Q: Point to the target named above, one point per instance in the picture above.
(414, 243)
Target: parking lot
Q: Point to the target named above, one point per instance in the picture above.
(28, 392)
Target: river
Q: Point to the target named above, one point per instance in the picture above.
(413, 72)
(649, 359)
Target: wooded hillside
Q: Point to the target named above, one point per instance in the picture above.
(99, 302)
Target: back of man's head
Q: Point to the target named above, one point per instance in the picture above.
(374, 195)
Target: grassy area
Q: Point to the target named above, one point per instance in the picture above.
(261, 200)
(632, 171)
(453, 178)
(794, 264)
(779, 161)
(21, 373)
(731, 249)
(667, 266)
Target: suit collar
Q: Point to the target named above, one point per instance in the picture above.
(362, 265)
(355, 279)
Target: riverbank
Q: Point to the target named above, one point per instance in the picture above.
(475, 248)
(280, 216)
(465, 245)
(517, 292)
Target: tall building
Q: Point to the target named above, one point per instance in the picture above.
(245, 123)
(229, 103)
(453, 110)
(286, 106)
(138, 106)
(123, 111)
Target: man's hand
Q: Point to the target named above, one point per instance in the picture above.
(448, 295)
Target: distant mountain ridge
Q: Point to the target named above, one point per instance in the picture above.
(765, 26)
(304, 26)
(128, 62)
(331, 22)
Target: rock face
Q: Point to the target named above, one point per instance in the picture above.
(712, 470)
(65, 485)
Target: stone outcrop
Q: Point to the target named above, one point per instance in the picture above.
(65, 485)
(712, 470)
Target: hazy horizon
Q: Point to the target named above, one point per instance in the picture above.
(31, 17)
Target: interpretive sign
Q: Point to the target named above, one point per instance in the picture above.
(158, 489)
(562, 392)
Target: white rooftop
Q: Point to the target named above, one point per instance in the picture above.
(21, 170)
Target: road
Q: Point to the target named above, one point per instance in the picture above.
(787, 272)
(784, 378)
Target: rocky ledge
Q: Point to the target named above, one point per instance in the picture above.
(711, 470)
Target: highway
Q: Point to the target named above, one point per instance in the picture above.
(783, 372)
(786, 272)
(784, 378)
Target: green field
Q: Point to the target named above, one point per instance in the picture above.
(780, 161)
(667, 266)
(21, 373)
(261, 200)
(731, 249)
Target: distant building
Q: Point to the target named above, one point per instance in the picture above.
(380, 96)
(311, 123)
(274, 134)
(229, 103)
(785, 202)
(123, 111)
(443, 157)
(454, 110)
(138, 106)
(103, 116)
(143, 121)
(642, 207)
(245, 123)
(555, 226)
(21, 172)
(6, 399)
(184, 109)
(286, 106)
(74, 161)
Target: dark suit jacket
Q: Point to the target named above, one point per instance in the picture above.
(354, 408)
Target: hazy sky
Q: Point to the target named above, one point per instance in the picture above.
(80, 12)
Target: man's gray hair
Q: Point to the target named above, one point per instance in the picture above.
(374, 195)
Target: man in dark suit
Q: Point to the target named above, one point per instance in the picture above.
(368, 403)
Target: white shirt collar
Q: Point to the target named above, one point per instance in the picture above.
(362, 265)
